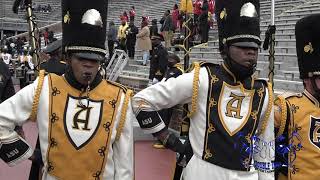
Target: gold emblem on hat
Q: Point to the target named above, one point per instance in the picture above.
(223, 13)
(308, 48)
(66, 18)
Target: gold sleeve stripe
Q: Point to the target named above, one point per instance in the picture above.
(123, 113)
(269, 109)
(195, 89)
(33, 115)
(283, 106)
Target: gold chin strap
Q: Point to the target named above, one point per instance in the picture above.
(35, 104)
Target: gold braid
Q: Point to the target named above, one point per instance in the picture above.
(269, 109)
(35, 104)
(123, 113)
(195, 89)
(283, 115)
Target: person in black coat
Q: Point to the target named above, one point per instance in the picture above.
(204, 25)
(6, 85)
(173, 70)
(132, 32)
(154, 27)
(54, 64)
(159, 60)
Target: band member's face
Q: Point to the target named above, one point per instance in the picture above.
(84, 70)
(244, 56)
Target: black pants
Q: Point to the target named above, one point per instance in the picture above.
(131, 50)
(204, 30)
(36, 166)
(131, 18)
(111, 48)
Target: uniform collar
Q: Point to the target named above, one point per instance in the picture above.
(69, 76)
(248, 82)
(311, 98)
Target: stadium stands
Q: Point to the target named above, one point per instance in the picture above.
(136, 76)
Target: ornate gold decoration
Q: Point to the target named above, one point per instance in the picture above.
(211, 128)
(66, 18)
(254, 115)
(214, 79)
(36, 98)
(128, 95)
(85, 48)
(208, 154)
(308, 48)
(195, 89)
(267, 115)
(212, 102)
(244, 36)
(223, 13)
(260, 92)
(248, 138)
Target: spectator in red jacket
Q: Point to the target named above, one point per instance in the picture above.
(132, 13)
(124, 17)
(175, 17)
(197, 10)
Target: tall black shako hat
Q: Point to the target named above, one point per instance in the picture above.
(84, 28)
(307, 32)
(238, 23)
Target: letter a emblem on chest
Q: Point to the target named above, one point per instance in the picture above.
(315, 131)
(234, 108)
(82, 120)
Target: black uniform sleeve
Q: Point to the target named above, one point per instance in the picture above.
(162, 63)
(7, 87)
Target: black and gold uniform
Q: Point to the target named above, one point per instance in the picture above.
(298, 114)
(230, 110)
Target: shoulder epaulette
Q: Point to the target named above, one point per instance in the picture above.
(63, 62)
(123, 116)
(201, 64)
(36, 98)
(204, 64)
(281, 101)
(269, 107)
(124, 88)
(195, 88)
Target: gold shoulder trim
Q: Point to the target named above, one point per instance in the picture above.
(283, 106)
(63, 62)
(123, 113)
(124, 88)
(269, 109)
(195, 89)
(35, 104)
(290, 94)
(192, 66)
